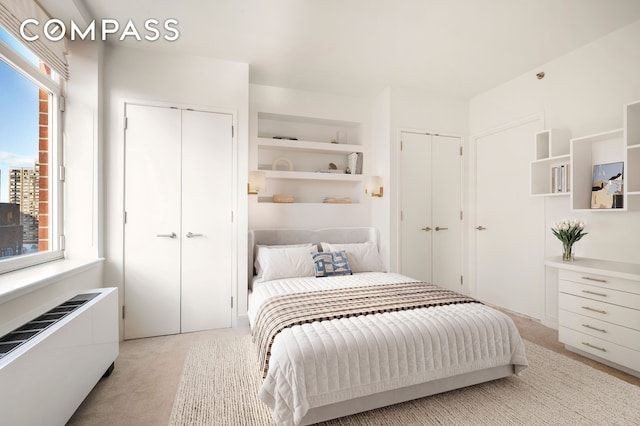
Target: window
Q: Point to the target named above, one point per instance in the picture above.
(29, 189)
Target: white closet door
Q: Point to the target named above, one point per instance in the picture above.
(152, 230)
(446, 187)
(510, 242)
(206, 220)
(415, 193)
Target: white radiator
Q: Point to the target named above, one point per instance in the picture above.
(49, 365)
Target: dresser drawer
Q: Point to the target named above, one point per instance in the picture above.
(600, 310)
(622, 336)
(601, 348)
(597, 280)
(604, 294)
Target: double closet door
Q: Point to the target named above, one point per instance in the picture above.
(178, 221)
(431, 213)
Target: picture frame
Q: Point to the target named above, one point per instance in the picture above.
(607, 186)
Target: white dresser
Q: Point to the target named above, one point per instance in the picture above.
(599, 310)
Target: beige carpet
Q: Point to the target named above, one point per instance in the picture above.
(220, 382)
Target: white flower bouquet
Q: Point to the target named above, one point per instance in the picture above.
(568, 231)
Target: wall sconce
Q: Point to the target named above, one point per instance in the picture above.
(374, 186)
(257, 182)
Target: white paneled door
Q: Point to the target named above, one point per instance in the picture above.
(178, 230)
(431, 225)
(152, 230)
(509, 224)
(446, 190)
(206, 220)
(415, 193)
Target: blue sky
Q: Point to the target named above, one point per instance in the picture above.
(18, 117)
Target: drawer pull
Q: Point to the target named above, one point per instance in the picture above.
(594, 346)
(594, 279)
(594, 310)
(595, 293)
(601, 330)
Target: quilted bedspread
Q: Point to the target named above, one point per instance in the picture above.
(320, 363)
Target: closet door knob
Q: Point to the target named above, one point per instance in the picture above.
(480, 228)
(171, 235)
(426, 229)
(192, 235)
(441, 229)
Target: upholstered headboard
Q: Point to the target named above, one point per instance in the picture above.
(298, 236)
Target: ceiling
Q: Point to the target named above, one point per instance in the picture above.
(455, 47)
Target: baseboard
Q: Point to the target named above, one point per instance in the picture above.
(241, 321)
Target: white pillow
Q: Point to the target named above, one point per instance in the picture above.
(362, 257)
(286, 262)
(259, 247)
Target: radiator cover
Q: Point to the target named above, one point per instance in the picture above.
(49, 365)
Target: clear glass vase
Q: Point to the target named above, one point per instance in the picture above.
(567, 253)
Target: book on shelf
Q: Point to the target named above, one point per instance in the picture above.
(354, 163)
(560, 179)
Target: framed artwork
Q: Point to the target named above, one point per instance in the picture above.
(606, 189)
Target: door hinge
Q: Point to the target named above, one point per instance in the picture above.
(401, 145)
(460, 151)
(125, 122)
(231, 216)
(125, 218)
(61, 103)
(61, 173)
(122, 311)
(461, 280)
(233, 132)
(62, 242)
(401, 215)
(461, 215)
(231, 302)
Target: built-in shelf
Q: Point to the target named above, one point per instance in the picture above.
(307, 146)
(269, 200)
(336, 177)
(297, 152)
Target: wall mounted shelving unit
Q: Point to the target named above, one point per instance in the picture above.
(554, 148)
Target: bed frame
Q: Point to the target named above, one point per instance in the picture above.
(382, 399)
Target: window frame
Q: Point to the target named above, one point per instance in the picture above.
(56, 212)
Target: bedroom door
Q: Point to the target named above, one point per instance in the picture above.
(206, 220)
(509, 224)
(178, 229)
(152, 226)
(430, 191)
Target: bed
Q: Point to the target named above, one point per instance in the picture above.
(321, 362)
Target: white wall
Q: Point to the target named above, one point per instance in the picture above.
(381, 166)
(583, 91)
(146, 76)
(423, 111)
(82, 152)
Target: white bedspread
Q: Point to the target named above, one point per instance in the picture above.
(325, 362)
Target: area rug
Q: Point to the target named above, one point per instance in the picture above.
(220, 382)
